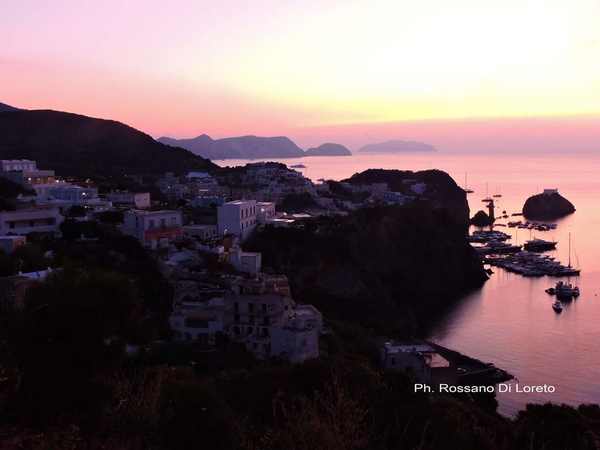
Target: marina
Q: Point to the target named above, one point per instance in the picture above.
(531, 264)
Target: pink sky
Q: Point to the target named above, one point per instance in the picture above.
(343, 71)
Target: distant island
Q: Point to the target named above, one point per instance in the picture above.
(251, 147)
(328, 149)
(242, 147)
(397, 146)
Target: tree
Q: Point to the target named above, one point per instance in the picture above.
(74, 326)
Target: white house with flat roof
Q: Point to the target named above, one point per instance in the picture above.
(17, 165)
(201, 231)
(237, 217)
(248, 262)
(265, 211)
(153, 228)
(198, 322)
(30, 220)
(138, 200)
(75, 195)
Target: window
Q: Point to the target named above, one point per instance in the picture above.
(151, 223)
(236, 318)
(163, 223)
(236, 306)
(251, 307)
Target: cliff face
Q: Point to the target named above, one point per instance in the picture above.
(547, 207)
(387, 268)
(439, 188)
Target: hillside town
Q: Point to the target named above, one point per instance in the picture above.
(198, 217)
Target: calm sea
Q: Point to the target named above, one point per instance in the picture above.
(510, 321)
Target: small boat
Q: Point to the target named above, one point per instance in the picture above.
(539, 245)
(497, 195)
(298, 166)
(566, 291)
(557, 307)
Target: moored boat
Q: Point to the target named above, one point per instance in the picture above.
(539, 245)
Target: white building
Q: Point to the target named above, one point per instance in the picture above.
(17, 165)
(237, 217)
(153, 228)
(265, 211)
(138, 200)
(248, 262)
(201, 231)
(199, 176)
(199, 322)
(9, 244)
(418, 359)
(251, 319)
(71, 193)
(30, 220)
(296, 341)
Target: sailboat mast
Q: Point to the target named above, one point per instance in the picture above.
(569, 250)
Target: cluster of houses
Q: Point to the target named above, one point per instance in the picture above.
(245, 305)
(251, 307)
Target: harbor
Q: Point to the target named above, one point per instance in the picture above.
(531, 264)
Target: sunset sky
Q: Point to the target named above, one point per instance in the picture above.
(309, 68)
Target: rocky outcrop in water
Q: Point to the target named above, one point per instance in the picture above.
(481, 219)
(547, 206)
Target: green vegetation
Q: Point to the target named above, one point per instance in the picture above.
(81, 146)
(295, 203)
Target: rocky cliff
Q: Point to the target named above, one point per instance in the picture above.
(547, 206)
(389, 268)
(434, 186)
